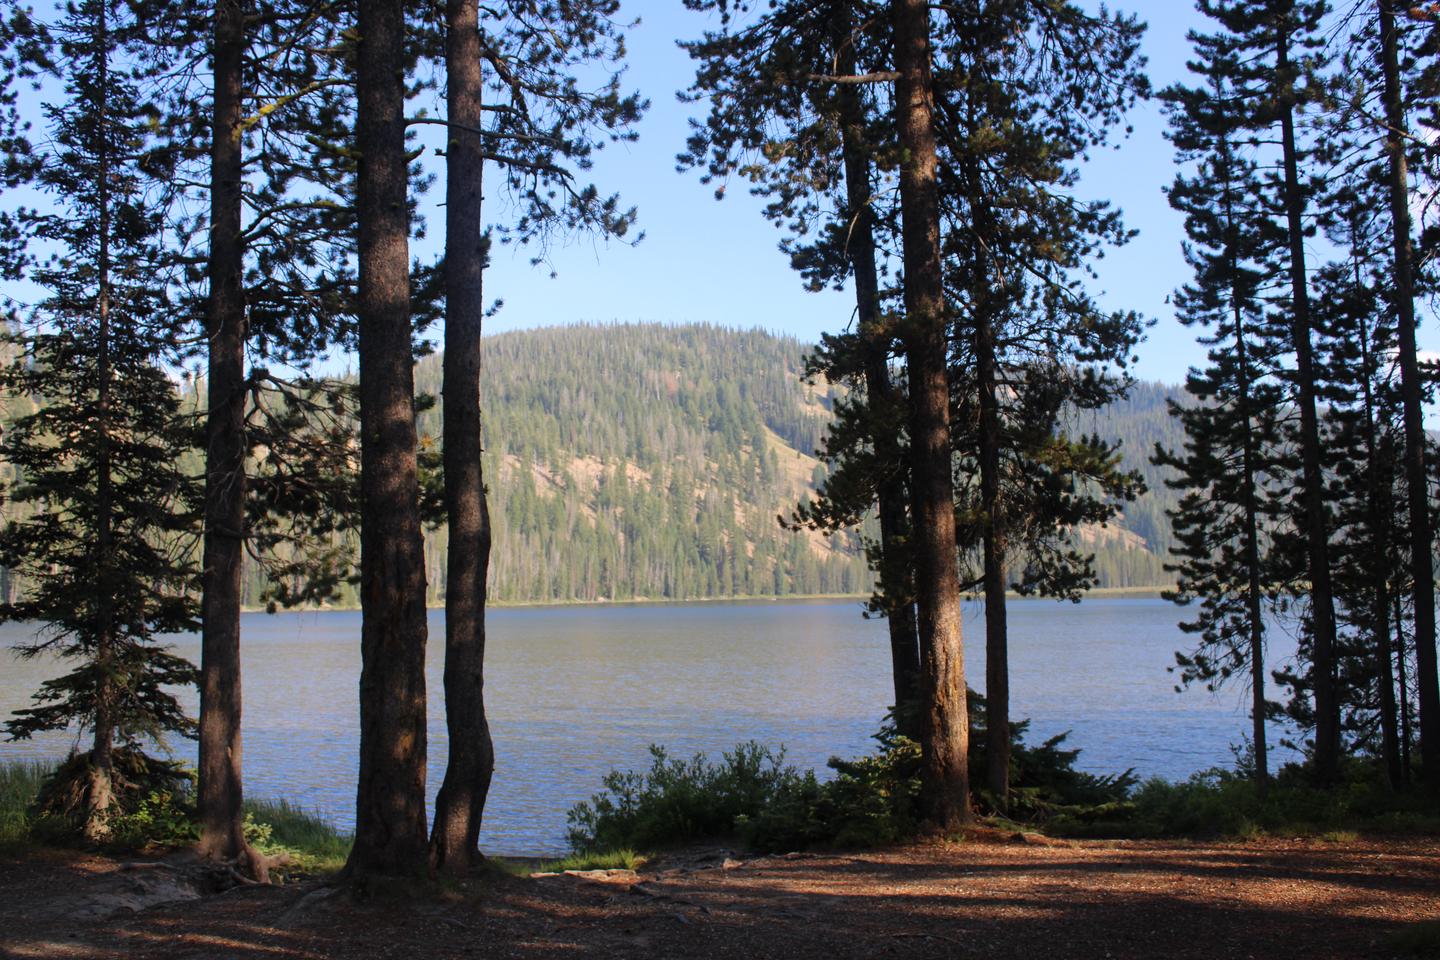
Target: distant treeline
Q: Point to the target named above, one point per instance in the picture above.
(652, 461)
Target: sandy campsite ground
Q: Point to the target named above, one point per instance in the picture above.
(997, 897)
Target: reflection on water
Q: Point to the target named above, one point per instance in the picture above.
(576, 691)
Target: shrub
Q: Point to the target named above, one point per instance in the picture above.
(153, 801)
(678, 800)
(751, 796)
(871, 801)
(1220, 803)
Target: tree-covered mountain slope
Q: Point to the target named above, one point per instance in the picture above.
(651, 461)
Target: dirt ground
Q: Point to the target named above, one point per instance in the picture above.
(997, 897)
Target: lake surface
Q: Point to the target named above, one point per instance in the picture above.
(574, 692)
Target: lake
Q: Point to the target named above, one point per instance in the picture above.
(576, 691)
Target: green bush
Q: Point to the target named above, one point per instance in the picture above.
(153, 802)
(156, 807)
(870, 802)
(679, 800)
(752, 797)
(1221, 803)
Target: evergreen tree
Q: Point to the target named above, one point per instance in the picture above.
(1363, 404)
(1272, 46)
(390, 821)
(796, 66)
(1025, 92)
(543, 131)
(101, 457)
(1228, 470)
(220, 789)
(454, 839)
(1402, 295)
(276, 286)
(789, 112)
(944, 727)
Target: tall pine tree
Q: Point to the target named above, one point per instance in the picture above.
(1228, 470)
(101, 459)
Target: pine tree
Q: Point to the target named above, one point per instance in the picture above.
(796, 66)
(454, 839)
(1273, 49)
(542, 132)
(1228, 470)
(1403, 292)
(1025, 93)
(390, 821)
(220, 792)
(1363, 402)
(277, 286)
(101, 457)
(944, 728)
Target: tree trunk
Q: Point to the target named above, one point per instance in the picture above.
(1422, 534)
(390, 799)
(997, 647)
(879, 390)
(1379, 515)
(1250, 463)
(101, 793)
(1316, 527)
(455, 838)
(993, 534)
(945, 730)
(1255, 612)
(220, 793)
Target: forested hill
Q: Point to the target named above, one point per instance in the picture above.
(651, 461)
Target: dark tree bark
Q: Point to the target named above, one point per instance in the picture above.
(997, 647)
(880, 391)
(220, 792)
(454, 840)
(1316, 527)
(102, 762)
(992, 545)
(1422, 534)
(1380, 510)
(945, 728)
(1250, 463)
(390, 833)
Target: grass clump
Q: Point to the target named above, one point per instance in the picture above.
(307, 841)
(157, 810)
(622, 859)
(20, 782)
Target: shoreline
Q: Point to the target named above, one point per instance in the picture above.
(1101, 593)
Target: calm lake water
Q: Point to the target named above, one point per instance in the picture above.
(576, 691)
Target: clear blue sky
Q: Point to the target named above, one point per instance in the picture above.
(703, 260)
